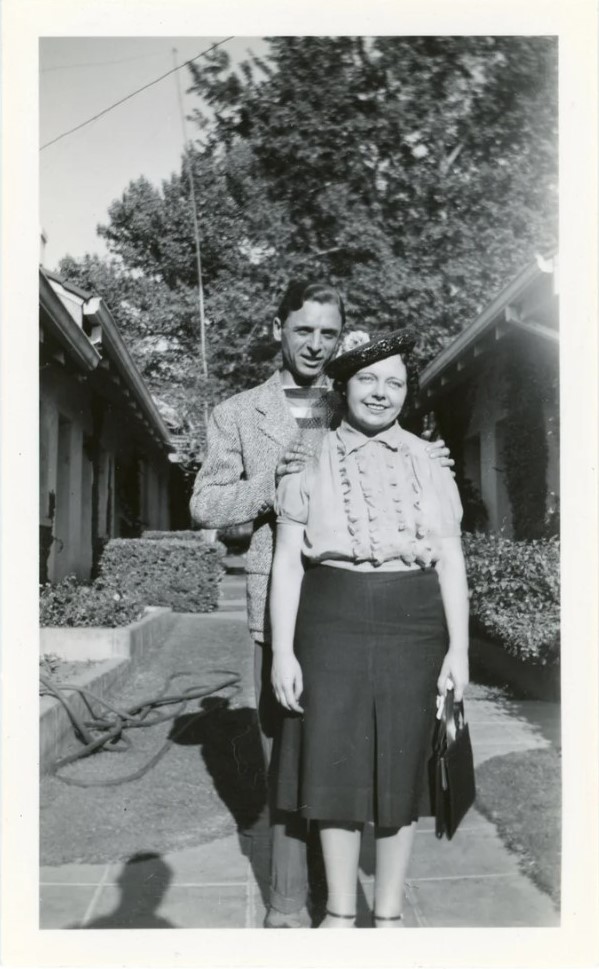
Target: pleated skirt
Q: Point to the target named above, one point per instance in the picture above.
(371, 647)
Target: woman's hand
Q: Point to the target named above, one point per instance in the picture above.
(287, 681)
(454, 668)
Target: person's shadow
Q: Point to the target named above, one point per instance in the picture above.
(143, 882)
(229, 741)
(230, 745)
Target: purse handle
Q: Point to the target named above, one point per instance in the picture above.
(452, 715)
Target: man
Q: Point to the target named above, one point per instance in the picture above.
(253, 439)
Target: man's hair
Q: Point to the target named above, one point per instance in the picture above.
(300, 291)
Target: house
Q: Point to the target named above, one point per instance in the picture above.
(104, 448)
(494, 394)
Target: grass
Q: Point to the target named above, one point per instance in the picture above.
(61, 670)
(521, 794)
(208, 785)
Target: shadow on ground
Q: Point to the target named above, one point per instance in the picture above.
(143, 883)
(230, 747)
(542, 715)
(232, 753)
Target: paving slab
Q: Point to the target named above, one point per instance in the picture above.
(468, 853)
(218, 862)
(473, 821)
(64, 906)
(491, 901)
(197, 907)
(79, 874)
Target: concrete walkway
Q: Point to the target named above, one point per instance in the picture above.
(472, 881)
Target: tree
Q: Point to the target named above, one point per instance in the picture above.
(417, 173)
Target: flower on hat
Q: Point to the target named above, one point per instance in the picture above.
(351, 340)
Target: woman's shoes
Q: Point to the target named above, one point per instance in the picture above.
(334, 920)
(388, 921)
(343, 921)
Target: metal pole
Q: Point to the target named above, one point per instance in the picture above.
(196, 227)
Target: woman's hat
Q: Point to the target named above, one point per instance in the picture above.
(347, 364)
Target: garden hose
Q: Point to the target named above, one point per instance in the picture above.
(113, 723)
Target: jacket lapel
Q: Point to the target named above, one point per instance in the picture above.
(275, 418)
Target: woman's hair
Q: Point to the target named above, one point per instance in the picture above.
(299, 291)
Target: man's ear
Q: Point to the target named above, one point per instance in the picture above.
(277, 326)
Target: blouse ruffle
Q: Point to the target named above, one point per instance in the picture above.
(372, 499)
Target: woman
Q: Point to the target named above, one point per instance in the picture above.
(369, 609)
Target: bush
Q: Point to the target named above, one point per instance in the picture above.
(182, 574)
(71, 603)
(515, 594)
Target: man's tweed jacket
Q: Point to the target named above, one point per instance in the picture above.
(247, 435)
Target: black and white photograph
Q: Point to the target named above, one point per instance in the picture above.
(299, 458)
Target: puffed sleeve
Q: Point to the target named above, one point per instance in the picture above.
(449, 501)
(292, 499)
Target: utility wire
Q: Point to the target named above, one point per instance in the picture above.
(133, 93)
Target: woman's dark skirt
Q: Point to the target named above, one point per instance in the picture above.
(370, 645)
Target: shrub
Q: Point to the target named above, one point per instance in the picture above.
(182, 574)
(515, 594)
(71, 603)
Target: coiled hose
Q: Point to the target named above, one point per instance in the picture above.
(105, 730)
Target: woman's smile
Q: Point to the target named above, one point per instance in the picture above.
(375, 395)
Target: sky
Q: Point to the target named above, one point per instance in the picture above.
(83, 173)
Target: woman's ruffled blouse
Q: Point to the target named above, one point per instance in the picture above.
(372, 499)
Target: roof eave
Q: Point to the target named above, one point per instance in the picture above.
(487, 319)
(67, 284)
(96, 310)
(64, 328)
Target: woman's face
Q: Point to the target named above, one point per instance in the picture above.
(375, 395)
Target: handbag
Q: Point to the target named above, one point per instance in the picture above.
(451, 769)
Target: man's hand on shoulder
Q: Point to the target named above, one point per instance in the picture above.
(293, 460)
(438, 451)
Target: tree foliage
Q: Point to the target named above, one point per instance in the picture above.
(159, 324)
(417, 173)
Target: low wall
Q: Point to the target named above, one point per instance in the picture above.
(117, 657)
(55, 724)
(79, 643)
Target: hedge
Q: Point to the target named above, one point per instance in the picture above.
(182, 574)
(71, 603)
(515, 594)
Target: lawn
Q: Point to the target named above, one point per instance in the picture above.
(521, 794)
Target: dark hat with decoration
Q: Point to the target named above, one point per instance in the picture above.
(347, 364)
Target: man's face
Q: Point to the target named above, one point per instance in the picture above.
(308, 339)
